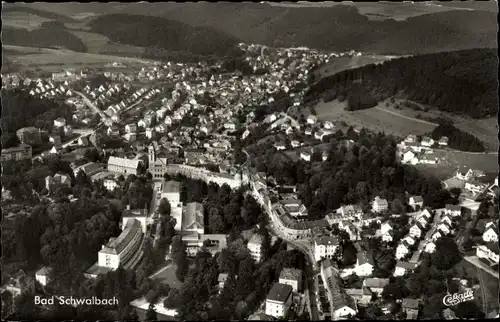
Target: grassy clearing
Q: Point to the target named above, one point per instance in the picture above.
(376, 119)
(22, 20)
(168, 277)
(57, 60)
(343, 63)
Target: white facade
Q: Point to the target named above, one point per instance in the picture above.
(415, 231)
(430, 247)
(255, 247)
(490, 235)
(401, 251)
(483, 251)
(110, 184)
(325, 247)
(306, 156)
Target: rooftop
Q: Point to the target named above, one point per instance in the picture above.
(122, 162)
(172, 187)
(291, 274)
(192, 216)
(326, 240)
(116, 246)
(279, 292)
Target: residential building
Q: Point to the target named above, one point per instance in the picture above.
(192, 218)
(402, 250)
(19, 283)
(427, 141)
(140, 215)
(255, 247)
(375, 285)
(59, 179)
(446, 219)
(411, 139)
(19, 153)
(411, 308)
(221, 279)
(453, 210)
(403, 268)
(311, 119)
(364, 262)
(409, 239)
(490, 233)
(430, 247)
(443, 227)
(42, 276)
(59, 122)
(416, 230)
(354, 211)
(110, 184)
(475, 187)
(279, 300)
(379, 205)
(385, 228)
(361, 295)
(292, 277)
(325, 247)
(443, 141)
(171, 190)
(349, 228)
(131, 128)
(416, 202)
(341, 304)
(489, 252)
(306, 156)
(123, 166)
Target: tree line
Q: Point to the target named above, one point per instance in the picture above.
(458, 139)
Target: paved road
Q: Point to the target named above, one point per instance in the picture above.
(89, 103)
(82, 133)
(482, 286)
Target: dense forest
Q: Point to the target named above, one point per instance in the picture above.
(462, 82)
(143, 31)
(42, 38)
(351, 175)
(458, 139)
(15, 8)
(19, 109)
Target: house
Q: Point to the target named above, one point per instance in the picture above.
(59, 122)
(349, 228)
(409, 239)
(475, 186)
(292, 277)
(446, 219)
(306, 156)
(364, 262)
(421, 220)
(113, 130)
(89, 169)
(416, 202)
(443, 227)
(453, 210)
(325, 247)
(427, 141)
(110, 184)
(341, 304)
(151, 133)
(410, 307)
(255, 247)
(42, 276)
(279, 300)
(490, 233)
(443, 141)
(328, 125)
(131, 128)
(436, 235)
(308, 131)
(388, 236)
(430, 247)
(280, 146)
(221, 279)
(311, 119)
(416, 230)
(59, 179)
(20, 283)
(402, 250)
(489, 252)
(192, 218)
(361, 295)
(385, 228)
(403, 268)
(409, 157)
(426, 214)
(375, 285)
(411, 139)
(379, 205)
(321, 134)
(295, 144)
(353, 211)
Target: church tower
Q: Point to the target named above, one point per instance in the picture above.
(152, 154)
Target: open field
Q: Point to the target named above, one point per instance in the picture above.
(343, 63)
(22, 20)
(484, 129)
(380, 10)
(376, 119)
(451, 161)
(59, 59)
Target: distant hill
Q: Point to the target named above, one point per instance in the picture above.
(336, 28)
(163, 34)
(11, 7)
(42, 37)
(461, 82)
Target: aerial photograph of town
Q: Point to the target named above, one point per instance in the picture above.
(266, 161)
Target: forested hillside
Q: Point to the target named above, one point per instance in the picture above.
(462, 82)
(458, 140)
(161, 35)
(42, 37)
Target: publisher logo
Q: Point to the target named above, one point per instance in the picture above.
(457, 298)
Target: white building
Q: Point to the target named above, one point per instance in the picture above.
(416, 202)
(292, 277)
(59, 122)
(453, 210)
(402, 250)
(430, 247)
(364, 262)
(325, 247)
(427, 141)
(42, 276)
(171, 190)
(192, 218)
(279, 300)
(490, 233)
(489, 252)
(255, 247)
(110, 184)
(306, 156)
(311, 119)
(404, 267)
(475, 186)
(379, 205)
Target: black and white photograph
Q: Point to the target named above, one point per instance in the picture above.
(260, 161)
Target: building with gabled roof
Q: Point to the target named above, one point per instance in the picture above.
(279, 300)
(192, 218)
(341, 304)
(123, 166)
(325, 247)
(292, 277)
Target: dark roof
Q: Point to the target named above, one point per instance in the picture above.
(406, 265)
(279, 292)
(116, 246)
(410, 303)
(453, 207)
